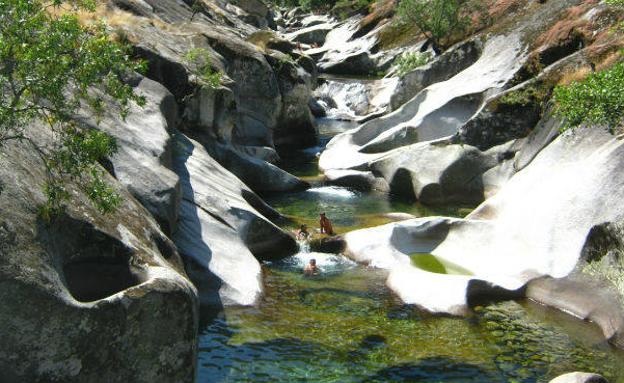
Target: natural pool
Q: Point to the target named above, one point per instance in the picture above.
(346, 326)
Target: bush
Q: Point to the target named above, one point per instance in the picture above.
(599, 99)
(199, 59)
(409, 61)
(436, 19)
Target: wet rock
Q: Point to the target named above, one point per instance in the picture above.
(100, 289)
(364, 181)
(583, 298)
(579, 377)
(316, 108)
(257, 174)
(329, 245)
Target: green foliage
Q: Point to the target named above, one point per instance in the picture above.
(199, 58)
(599, 99)
(619, 3)
(48, 67)
(409, 61)
(436, 19)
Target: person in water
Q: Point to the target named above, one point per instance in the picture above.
(303, 233)
(326, 225)
(311, 268)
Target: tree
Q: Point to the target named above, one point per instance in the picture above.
(49, 65)
(436, 19)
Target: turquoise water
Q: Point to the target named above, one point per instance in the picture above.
(346, 326)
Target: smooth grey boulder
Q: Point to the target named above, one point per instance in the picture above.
(295, 128)
(314, 34)
(85, 296)
(223, 229)
(436, 112)
(142, 162)
(438, 172)
(579, 377)
(442, 68)
(526, 231)
(257, 174)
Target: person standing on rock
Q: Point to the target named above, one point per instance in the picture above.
(326, 225)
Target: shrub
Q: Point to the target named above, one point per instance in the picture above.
(409, 61)
(599, 99)
(199, 58)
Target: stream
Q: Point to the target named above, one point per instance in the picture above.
(346, 325)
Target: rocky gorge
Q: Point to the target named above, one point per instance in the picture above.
(203, 170)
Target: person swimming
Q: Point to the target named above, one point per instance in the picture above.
(326, 225)
(311, 268)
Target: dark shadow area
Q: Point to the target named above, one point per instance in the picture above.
(434, 370)
(195, 262)
(482, 293)
(94, 264)
(97, 278)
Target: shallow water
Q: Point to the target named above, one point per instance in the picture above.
(346, 326)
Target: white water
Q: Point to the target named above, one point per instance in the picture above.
(334, 191)
(327, 263)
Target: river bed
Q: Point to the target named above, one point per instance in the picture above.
(346, 326)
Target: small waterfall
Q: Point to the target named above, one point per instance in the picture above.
(304, 246)
(343, 99)
(355, 99)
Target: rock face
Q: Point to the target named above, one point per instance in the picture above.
(526, 231)
(143, 159)
(221, 228)
(579, 377)
(86, 297)
(262, 102)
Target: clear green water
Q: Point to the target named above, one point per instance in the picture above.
(346, 326)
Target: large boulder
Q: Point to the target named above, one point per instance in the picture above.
(524, 232)
(437, 111)
(314, 34)
(295, 127)
(447, 65)
(223, 229)
(86, 296)
(142, 162)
